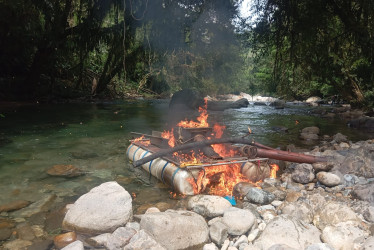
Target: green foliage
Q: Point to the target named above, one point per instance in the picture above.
(321, 47)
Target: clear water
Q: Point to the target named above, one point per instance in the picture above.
(94, 137)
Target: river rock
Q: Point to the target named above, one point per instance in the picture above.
(279, 194)
(14, 205)
(260, 196)
(41, 245)
(119, 238)
(41, 205)
(365, 123)
(17, 244)
(25, 232)
(241, 189)
(342, 236)
(299, 210)
(238, 221)
(285, 229)
(218, 232)
(281, 247)
(333, 213)
(338, 138)
(103, 209)
(364, 192)
(76, 245)
(323, 166)
(328, 179)
(303, 173)
(62, 240)
(165, 228)
(319, 246)
(64, 171)
(210, 246)
(208, 205)
(308, 136)
(368, 244)
(142, 240)
(369, 214)
(310, 130)
(313, 99)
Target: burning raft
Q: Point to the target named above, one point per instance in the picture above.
(194, 158)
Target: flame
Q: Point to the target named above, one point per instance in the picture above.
(170, 136)
(142, 140)
(273, 170)
(202, 120)
(218, 130)
(249, 130)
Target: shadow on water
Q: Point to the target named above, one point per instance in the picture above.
(94, 138)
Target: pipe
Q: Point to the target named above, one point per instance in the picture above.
(163, 170)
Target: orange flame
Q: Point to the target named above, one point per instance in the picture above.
(142, 140)
(202, 120)
(169, 135)
(273, 170)
(218, 130)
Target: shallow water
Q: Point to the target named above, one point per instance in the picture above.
(94, 137)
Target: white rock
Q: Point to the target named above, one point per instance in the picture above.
(319, 246)
(99, 240)
(281, 247)
(328, 179)
(142, 240)
(76, 245)
(251, 247)
(210, 246)
(152, 210)
(103, 209)
(262, 226)
(277, 203)
(119, 238)
(285, 229)
(333, 213)
(208, 205)
(368, 244)
(238, 221)
(253, 234)
(299, 210)
(242, 239)
(342, 236)
(225, 245)
(176, 229)
(218, 233)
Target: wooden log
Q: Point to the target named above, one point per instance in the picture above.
(274, 153)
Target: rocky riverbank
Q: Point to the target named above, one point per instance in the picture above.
(310, 206)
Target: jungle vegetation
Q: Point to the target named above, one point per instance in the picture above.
(109, 48)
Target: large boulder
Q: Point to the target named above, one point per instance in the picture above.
(208, 205)
(176, 229)
(284, 229)
(103, 209)
(365, 123)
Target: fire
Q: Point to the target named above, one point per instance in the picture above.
(273, 170)
(202, 120)
(218, 130)
(169, 135)
(142, 140)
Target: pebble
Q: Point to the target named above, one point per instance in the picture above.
(14, 205)
(253, 235)
(328, 179)
(65, 239)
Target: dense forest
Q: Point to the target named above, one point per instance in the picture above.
(53, 50)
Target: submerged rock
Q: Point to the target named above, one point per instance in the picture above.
(208, 205)
(64, 171)
(14, 205)
(103, 209)
(176, 229)
(62, 240)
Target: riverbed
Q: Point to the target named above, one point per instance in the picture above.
(94, 137)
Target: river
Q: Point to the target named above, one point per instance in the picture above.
(94, 137)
